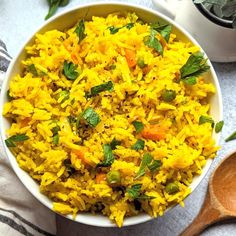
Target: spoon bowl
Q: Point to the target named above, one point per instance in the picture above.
(220, 200)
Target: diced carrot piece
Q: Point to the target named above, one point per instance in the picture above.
(154, 132)
(146, 69)
(130, 57)
(100, 177)
(25, 122)
(80, 155)
(74, 58)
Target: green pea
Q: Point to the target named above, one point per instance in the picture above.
(168, 95)
(113, 177)
(172, 188)
(64, 94)
(141, 63)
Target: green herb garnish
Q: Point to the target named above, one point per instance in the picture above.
(152, 42)
(69, 168)
(155, 165)
(195, 66)
(129, 25)
(135, 192)
(139, 145)
(148, 162)
(108, 86)
(219, 126)
(206, 119)
(71, 119)
(64, 2)
(108, 156)
(138, 125)
(164, 30)
(11, 141)
(80, 30)
(55, 137)
(32, 69)
(10, 98)
(69, 70)
(114, 30)
(231, 137)
(53, 6)
(91, 117)
(147, 159)
(114, 143)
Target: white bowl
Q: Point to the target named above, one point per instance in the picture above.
(68, 19)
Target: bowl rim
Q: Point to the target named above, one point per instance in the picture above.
(140, 218)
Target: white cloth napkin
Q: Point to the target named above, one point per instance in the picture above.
(20, 213)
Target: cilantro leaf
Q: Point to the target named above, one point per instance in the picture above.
(108, 156)
(164, 30)
(55, 137)
(53, 6)
(152, 42)
(32, 69)
(69, 70)
(154, 165)
(64, 2)
(135, 193)
(114, 143)
(138, 125)
(195, 66)
(114, 30)
(139, 145)
(147, 159)
(231, 137)
(91, 117)
(11, 141)
(129, 25)
(108, 86)
(80, 30)
(219, 126)
(69, 168)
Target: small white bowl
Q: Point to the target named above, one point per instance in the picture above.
(68, 19)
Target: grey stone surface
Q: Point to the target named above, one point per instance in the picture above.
(18, 19)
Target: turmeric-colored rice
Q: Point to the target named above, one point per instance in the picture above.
(63, 152)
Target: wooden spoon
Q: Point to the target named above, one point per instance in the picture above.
(220, 201)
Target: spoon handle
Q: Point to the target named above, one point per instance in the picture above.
(207, 216)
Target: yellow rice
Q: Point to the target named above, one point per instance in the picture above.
(136, 96)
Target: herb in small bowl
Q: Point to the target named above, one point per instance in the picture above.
(223, 9)
(53, 6)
